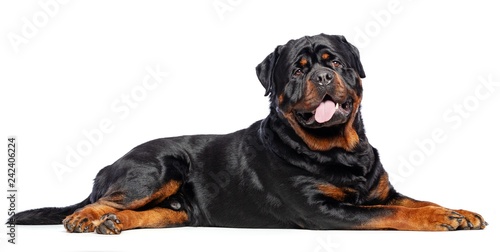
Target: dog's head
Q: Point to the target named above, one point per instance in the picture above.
(314, 84)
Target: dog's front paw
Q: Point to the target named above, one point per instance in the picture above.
(110, 224)
(441, 219)
(472, 220)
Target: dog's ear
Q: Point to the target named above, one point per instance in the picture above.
(354, 58)
(265, 71)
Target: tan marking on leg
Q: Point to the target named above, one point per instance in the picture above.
(129, 219)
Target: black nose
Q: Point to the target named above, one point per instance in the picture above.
(322, 77)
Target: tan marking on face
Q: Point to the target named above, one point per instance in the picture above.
(303, 62)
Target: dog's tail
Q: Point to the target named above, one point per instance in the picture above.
(46, 216)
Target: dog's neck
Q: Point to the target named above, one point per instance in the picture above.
(279, 137)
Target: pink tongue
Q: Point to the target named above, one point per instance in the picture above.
(324, 112)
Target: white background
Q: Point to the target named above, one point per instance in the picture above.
(425, 63)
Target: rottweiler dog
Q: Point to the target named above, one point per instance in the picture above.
(307, 165)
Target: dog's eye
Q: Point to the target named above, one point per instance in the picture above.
(298, 72)
(336, 64)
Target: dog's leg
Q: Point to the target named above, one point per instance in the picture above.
(394, 211)
(395, 217)
(470, 220)
(114, 223)
(88, 218)
(425, 218)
